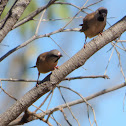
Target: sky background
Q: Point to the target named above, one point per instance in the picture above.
(108, 107)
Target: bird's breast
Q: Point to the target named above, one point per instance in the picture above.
(95, 28)
(45, 67)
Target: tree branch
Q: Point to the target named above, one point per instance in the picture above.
(12, 17)
(32, 117)
(68, 78)
(33, 14)
(33, 38)
(50, 82)
(3, 3)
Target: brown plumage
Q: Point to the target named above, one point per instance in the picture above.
(47, 61)
(94, 23)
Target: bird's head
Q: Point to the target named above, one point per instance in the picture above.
(101, 13)
(54, 55)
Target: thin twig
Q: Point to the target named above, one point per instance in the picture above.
(124, 102)
(83, 100)
(59, 46)
(87, 98)
(120, 64)
(50, 100)
(36, 32)
(94, 3)
(68, 78)
(7, 93)
(68, 107)
(65, 117)
(115, 44)
(75, 14)
(43, 102)
(72, 5)
(57, 108)
(121, 40)
(56, 121)
(39, 117)
(58, 19)
(109, 61)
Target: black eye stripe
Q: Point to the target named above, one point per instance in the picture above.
(100, 12)
(54, 55)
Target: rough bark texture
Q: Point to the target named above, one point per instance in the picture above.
(57, 75)
(3, 3)
(12, 17)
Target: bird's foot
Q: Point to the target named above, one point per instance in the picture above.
(37, 84)
(85, 44)
(100, 33)
(56, 67)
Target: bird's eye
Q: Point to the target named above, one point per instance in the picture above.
(100, 12)
(54, 55)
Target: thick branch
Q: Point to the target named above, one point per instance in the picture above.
(12, 17)
(59, 74)
(3, 3)
(33, 14)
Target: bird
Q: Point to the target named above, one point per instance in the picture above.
(94, 23)
(47, 62)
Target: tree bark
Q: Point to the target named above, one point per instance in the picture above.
(59, 74)
(12, 17)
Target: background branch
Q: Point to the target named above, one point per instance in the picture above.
(67, 78)
(33, 14)
(57, 108)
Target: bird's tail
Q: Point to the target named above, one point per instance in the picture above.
(81, 30)
(80, 24)
(33, 67)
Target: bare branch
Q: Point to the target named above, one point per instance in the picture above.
(72, 103)
(68, 107)
(32, 39)
(8, 93)
(120, 64)
(65, 117)
(85, 101)
(18, 47)
(57, 19)
(43, 102)
(71, 5)
(109, 61)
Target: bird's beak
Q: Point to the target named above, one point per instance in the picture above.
(60, 55)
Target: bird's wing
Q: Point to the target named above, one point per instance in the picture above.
(86, 21)
(41, 58)
(84, 26)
